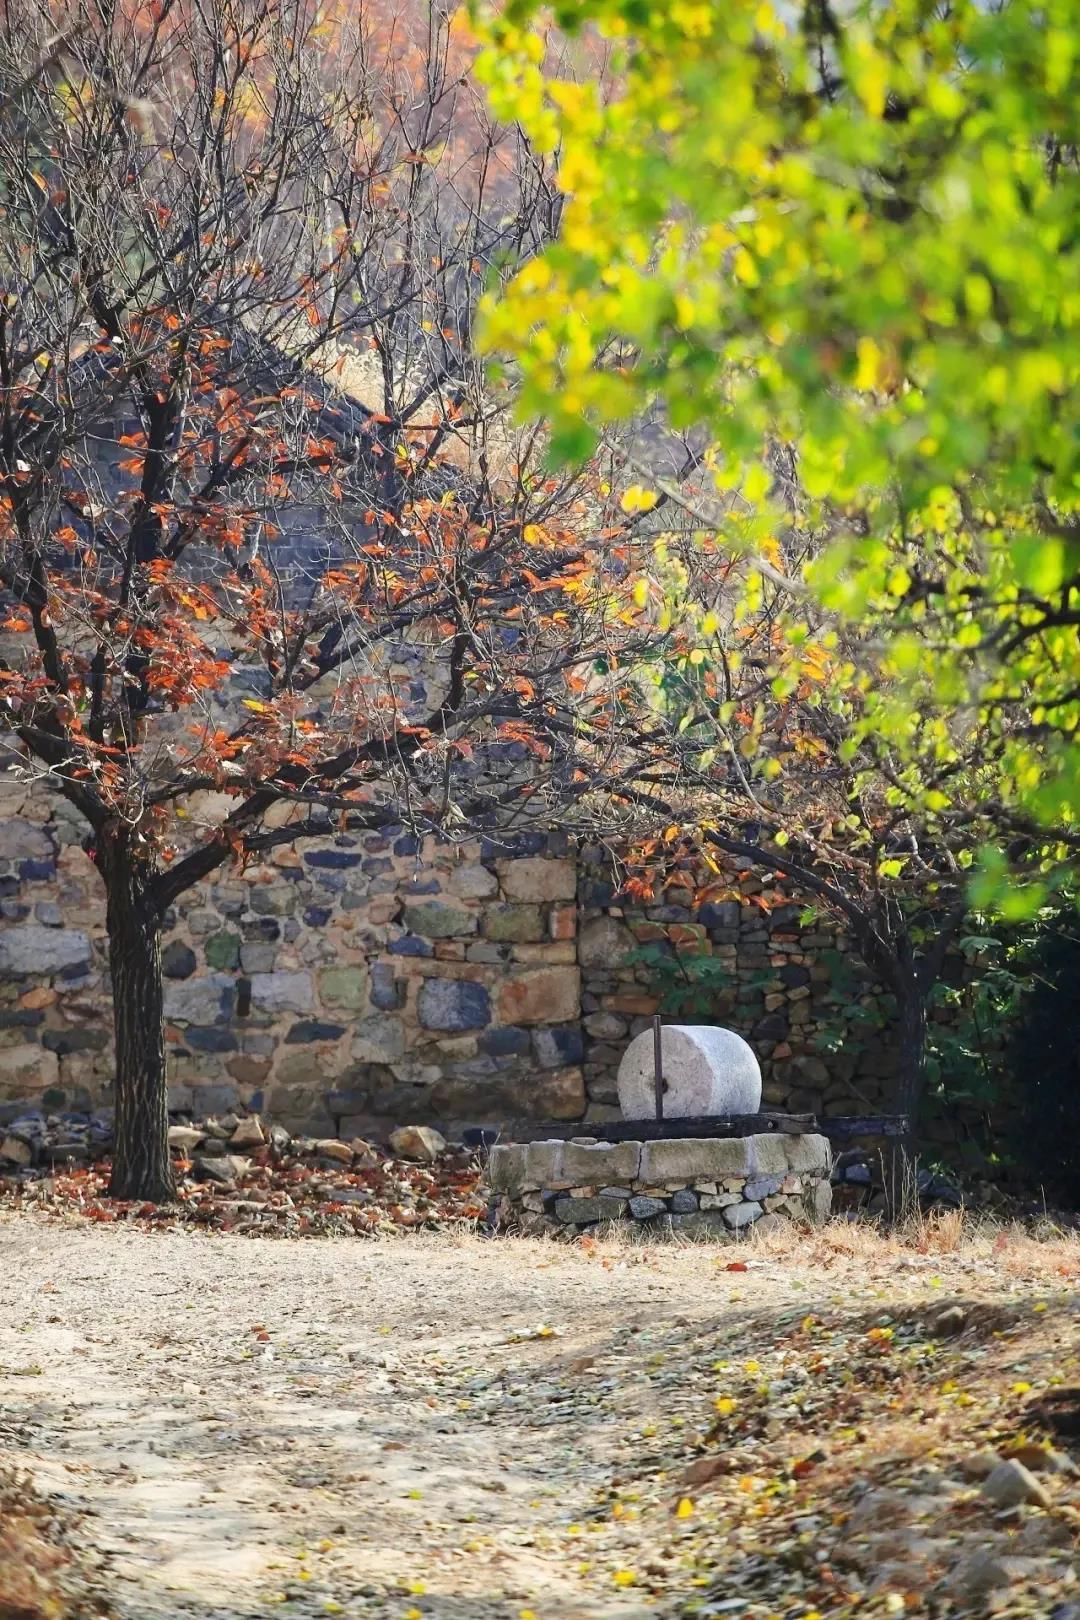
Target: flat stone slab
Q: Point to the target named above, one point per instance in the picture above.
(706, 1070)
(687, 1159)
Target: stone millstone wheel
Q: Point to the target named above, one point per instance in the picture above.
(706, 1071)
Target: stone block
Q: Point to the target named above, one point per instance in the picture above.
(222, 950)
(36, 948)
(695, 1158)
(559, 1094)
(556, 1047)
(762, 1187)
(343, 987)
(387, 991)
(605, 1026)
(378, 1040)
(585, 1211)
(543, 1163)
(562, 922)
(644, 1208)
(309, 1030)
(178, 960)
(553, 953)
(473, 882)
(540, 996)
(738, 1216)
(817, 1201)
(211, 1038)
(506, 1169)
(768, 1155)
(506, 1043)
(434, 919)
(22, 840)
(27, 1068)
(538, 878)
(282, 992)
(683, 1201)
(605, 942)
(452, 1005)
(206, 1000)
(601, 1162)
(247, 1070)
(809, 1154)
(516, 924)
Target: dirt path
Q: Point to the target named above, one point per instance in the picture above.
(348, 1427)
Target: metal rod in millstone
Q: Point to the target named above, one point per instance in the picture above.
(658, 1067)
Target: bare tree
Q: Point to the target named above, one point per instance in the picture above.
(249, 468)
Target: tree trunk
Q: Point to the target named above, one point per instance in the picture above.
(901, 1190)
(911, 1008)
(141, 1165)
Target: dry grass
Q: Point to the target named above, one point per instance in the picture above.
(1019, 1251)
(1043, 1250)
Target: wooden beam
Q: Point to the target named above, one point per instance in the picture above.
(837, 1129)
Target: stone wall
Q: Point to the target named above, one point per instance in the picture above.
(779, 973)
(337, 987)
(785, 980)
(699, 1187)
(373, 980)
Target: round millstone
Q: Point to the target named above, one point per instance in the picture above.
(706, 1071)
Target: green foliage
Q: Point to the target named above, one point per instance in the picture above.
(852, 230)
(965, 1050)
(1044, 1059)
(687, 985)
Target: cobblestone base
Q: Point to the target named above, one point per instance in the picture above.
(714, 1186)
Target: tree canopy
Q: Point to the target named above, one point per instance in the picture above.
(852, 231)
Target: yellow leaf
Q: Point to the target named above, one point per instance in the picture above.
(868, 368)
(685, 1509)
(725, 1405)
(638, 499)
(624, 1577)
(1021, 1387)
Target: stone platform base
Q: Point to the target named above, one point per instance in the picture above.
(708, 1186)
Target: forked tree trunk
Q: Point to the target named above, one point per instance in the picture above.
(141, 1165)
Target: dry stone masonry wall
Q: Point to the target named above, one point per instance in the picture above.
(784, 979)
(367, 980)
(345, 987)
(704, 1186)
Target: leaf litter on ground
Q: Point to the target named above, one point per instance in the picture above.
(293, 1195)
(836, 1461)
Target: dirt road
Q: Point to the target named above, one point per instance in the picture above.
(420, 1427)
